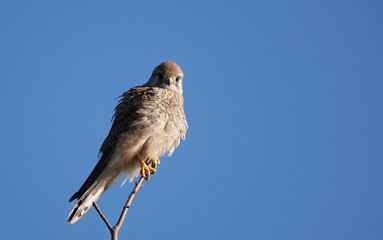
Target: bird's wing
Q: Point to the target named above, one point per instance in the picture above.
(123, 119)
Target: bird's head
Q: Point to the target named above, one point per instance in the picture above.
(167, 75)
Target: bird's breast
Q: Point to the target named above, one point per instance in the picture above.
(170, 126)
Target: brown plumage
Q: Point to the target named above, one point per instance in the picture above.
(149, 121)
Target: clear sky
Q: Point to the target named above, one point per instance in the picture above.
(283, 99)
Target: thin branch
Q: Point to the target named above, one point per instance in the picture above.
(114, 230)
(128, 203)
(103, 216)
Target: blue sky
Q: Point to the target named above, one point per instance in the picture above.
(283, 98)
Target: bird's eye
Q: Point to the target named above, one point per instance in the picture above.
(178, 78)
(160, 76)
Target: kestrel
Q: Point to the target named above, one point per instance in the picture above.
(148, 122)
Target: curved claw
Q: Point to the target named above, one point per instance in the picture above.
(147, 170)
(156, 161)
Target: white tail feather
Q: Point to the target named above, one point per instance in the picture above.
(85, 202)
(91, 195)
(106, 180)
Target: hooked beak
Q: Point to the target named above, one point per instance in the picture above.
(169, 80)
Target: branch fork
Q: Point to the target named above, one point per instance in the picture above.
(114, 230)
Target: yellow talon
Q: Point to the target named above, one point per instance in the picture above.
(155, 161)
(145, 169)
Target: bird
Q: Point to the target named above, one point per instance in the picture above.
(148, 122)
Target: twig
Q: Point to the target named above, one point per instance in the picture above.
(103, 217)
(114, 230)
(127, 204)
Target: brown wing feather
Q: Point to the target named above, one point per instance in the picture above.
(125, 114)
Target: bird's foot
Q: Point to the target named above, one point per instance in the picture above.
(155, 161)
(145, 169)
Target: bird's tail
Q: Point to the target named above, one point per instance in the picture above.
(85, 202)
